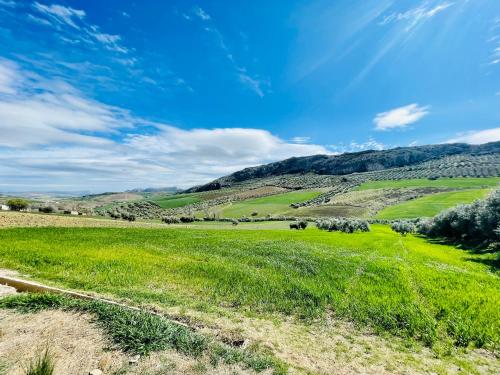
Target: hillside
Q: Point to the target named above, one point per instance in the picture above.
(348, 163)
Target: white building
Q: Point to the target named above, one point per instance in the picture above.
(5, 207)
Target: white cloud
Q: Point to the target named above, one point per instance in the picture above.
(54, 137)
(61, 14)
(301, 140)
(415, 15)
(476, 137)
(257, 85)
(400, 117)
(37, 111)
(201, 13)
(8, 77)
(354, 146)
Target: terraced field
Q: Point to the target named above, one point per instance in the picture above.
(278, 204)
(431, 205)
(176, 200)
(451, 183)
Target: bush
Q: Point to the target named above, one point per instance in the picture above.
(343, 225)
(255, 213)
(17, 204)
(301, 224)
(403, 227)
(474, 223)
(128, 216)
(47, 209)
(187, 219)
(170, 220)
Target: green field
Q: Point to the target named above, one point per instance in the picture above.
(403, 285)
(452, 183)
(176, 200)
(271, 205)
(431, 205)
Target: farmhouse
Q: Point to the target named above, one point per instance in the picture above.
(4, 207)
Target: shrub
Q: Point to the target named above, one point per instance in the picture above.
(255, 213)
(128, 216)
(17, 204)
(300, 224)
(187, 219)
(403, 227)
(47, 209)
(343, 225)
(477, 222)
(170, 220)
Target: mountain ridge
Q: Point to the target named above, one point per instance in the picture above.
(353, 162)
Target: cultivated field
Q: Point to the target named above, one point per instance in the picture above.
(272, 205)
(431, 205)
(426, 294)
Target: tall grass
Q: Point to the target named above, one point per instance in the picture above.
(404, 285)
(43, 365)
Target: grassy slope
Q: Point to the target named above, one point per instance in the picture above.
(400, 284)
(454, 183)
(271, 205)
(431, 205)
(176, 200)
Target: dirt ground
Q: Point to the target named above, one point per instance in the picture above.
(79, 347)
(25, 219)
(334, 347)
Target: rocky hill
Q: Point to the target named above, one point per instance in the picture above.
(348, 163)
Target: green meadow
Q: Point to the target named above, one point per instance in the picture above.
(403, 285)
(271, 205)
(176, 200)
(452, 183)
(431, 205)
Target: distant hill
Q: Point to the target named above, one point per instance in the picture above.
(356, 162)
(167, 189)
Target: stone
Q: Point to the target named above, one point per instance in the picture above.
(134, 359)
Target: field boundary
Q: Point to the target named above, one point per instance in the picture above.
(34, 287)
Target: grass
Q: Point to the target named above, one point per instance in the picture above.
(138, 333)
(403, 285)
(44, 365)
(271, 205)
(452, 183)
(176, 200)
(431, 205)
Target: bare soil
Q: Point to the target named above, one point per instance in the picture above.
(79, 347)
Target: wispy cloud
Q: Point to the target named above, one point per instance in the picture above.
(400, 117)
(414, 16)
(355, 146)
(253, 82)
(61, 14)
(201, 13)
(477, 136)
(8, 3)
(301, 140)
(495, 40)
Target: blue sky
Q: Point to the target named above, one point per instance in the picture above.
(121, 94)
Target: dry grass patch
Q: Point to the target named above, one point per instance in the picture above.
(78, 347)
